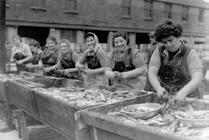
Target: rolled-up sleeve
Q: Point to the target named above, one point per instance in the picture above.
(102, 58)
(27, 50)
(155, 59)
(194, 62)
(138, 60)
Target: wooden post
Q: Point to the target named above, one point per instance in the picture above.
(2, 35)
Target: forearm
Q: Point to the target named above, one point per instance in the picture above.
(27, 59)
(192, 85)
(71, 70)
(51, 68)
(35, 66)
(108, 72)
(99, 70)
(154, 81)
(136, 72)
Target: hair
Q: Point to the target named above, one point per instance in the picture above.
(65, 41)
(16, 36)
(35, 43)
(151, 34)
(89, 34)
(166, 29)
(122, 34)
(52, 38)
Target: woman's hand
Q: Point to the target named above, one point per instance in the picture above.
(46, 69)
(110, 74)
(180, 96)
(79, 66)
(124, 75)
(161, 92)
(29, 66)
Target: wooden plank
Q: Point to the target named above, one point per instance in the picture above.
(43, 132)
(57, 114)
(22, 97)
(107, 127)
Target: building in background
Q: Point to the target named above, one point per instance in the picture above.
(72, 18)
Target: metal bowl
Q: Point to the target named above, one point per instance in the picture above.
(142, 111)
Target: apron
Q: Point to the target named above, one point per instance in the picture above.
(36, 58)
(34, 61)
(67, 63)
(130, 83)
(174, 74)
(49, 58)
(93, 81)
(20, 56)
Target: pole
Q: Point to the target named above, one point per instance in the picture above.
(2, 35)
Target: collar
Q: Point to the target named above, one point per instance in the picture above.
(180, 52)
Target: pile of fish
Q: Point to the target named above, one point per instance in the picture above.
(14, 76)
(183, 121)
(84, 98)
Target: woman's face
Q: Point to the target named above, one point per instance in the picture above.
(120, 43)
(34, 49)
(17, 41)
(171, 43)
(50, 43)
(90, 42)
(64, 47)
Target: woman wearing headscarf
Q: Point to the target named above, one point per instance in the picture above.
(95, 60)
(67, 59)
(174, 68)
(126, 67)
(49, 57)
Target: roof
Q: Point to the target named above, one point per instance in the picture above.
(193, 3)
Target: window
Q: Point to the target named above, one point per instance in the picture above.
(68, 34)
(148, 7)
(70, 5)
(38, 4)
(126, 8)
(185, 13)
(168, 10)
(201, 15)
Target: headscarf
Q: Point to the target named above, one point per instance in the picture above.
(96, 47)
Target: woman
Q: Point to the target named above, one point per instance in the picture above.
(126, 66)
(174, 68)
(21, 52)
(95, 59)
(35, 47)
(49, 57)
(66, 61)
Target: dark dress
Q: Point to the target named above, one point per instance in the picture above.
(49, 58)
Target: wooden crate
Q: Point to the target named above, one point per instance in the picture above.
(27, 131)
(95, 124)
(22, 97)
(58, 114)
